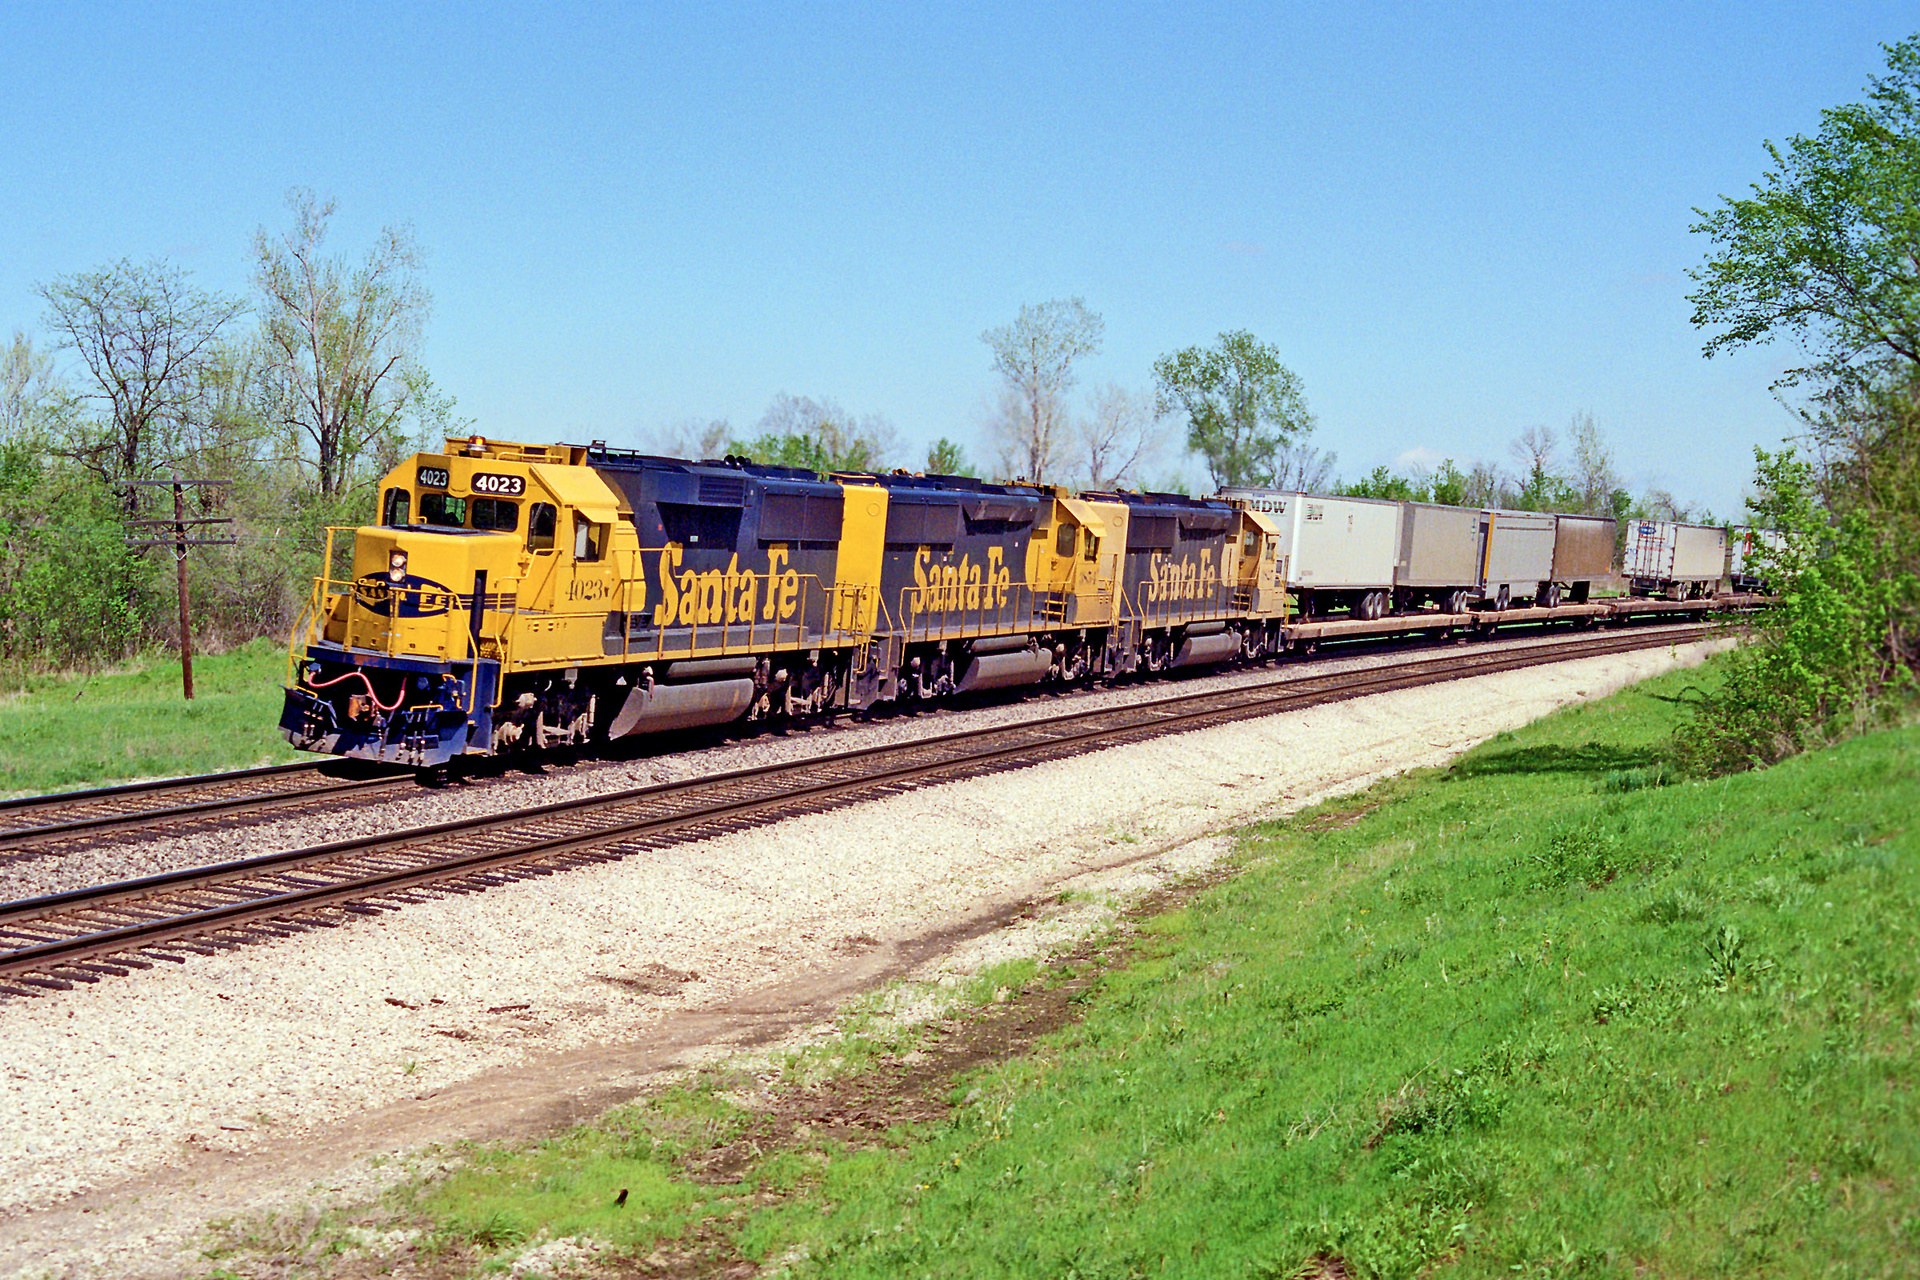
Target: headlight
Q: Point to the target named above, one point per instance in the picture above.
(397, 566)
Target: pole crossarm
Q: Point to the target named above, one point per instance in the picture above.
(180, 542)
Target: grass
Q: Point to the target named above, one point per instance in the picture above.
(60, 732)
(1545, 1013)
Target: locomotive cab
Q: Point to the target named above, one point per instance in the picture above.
(407, 659)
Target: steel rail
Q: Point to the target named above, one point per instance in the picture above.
(68, 828)
(155, 785)
(960, 753)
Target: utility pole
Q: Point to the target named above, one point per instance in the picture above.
(180, 542)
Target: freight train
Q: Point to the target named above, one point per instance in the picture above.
(520, 596)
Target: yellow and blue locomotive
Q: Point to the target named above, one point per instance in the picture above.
(522, 596)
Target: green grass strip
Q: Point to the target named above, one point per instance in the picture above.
(1530, 1016)
(65, 732)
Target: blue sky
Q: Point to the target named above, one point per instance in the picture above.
(1455, 221)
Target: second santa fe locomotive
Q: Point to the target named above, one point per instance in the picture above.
(533, 596)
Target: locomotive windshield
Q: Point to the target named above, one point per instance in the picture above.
(443, 509)
(497, 514)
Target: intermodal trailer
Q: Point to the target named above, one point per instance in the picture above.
(1583, 553)
(1338, 551)
(1664, 557)
(1744, 571)
(1517, 558)
(1439, 556)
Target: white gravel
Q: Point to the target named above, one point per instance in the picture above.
(259, 1049)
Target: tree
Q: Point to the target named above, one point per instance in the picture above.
(1035, 355)
(1302, 468)
(1121, 436)
(341, 341)
(32, 397)
(693, 438)
(946, 458)
(1827, 251)
(1827, 248)
(146, 337)
(1447, 485)
(1596, 486)
(1243, 406)
(819, 435)
(1383, 483)
(1486, 486)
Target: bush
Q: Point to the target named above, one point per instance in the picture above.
(71, 593)
(1834, 656)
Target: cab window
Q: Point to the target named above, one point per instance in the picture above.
(1250, 545)
(1092, 552)
(540, 523)
(589, 539)
(496, 514)
(396, 507)
(1063, 545)
(443, 509)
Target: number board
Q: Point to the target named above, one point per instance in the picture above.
(495, 483)
(433, 477)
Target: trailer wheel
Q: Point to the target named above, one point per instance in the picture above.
(1502, 600)
(1456, 601)
(1549, 596)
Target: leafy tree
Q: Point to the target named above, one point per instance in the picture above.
(1243, 406)
(1841, 640)
(1448, 485)
(341, 343)
(71, 594)
(947, 458)
(1827, 252)
(147, 338)
(1827, 248)
(799, 431)
(1035, 355)
(1382, 483)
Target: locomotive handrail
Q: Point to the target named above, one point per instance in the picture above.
(918, 621)
(1170, 613)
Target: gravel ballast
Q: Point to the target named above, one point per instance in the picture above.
(241, 1055)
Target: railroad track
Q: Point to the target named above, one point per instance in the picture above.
(30, 822)
(82, 935)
